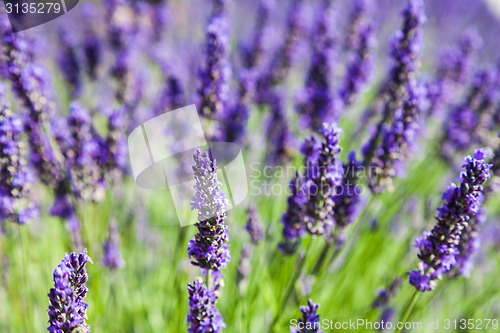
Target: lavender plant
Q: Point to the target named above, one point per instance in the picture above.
(209, 249)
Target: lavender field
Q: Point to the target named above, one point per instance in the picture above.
(251, 166)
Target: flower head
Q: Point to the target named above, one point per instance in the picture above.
(310, 321)
(209, 249)
(439, 250)
(67, 309)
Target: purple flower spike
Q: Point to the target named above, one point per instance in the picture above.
(203, 316)
(440, 249)
(254, 226)
(310, 321)
(311, 203)
(359, 68)
(405, 50)
(15, 176)
(398, 142)
(215, 76)
(318, 104)
(209, 249)
(67, 310)
(112, 254)
(463, 128)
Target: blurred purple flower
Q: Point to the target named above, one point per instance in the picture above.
(15, 176)
(112, 254)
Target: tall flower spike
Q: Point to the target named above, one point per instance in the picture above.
(256, 54)
(359, 11)
(83, 154)
(67, 310)
(317, 105)
(311, 203)
(203, 315)
(31, 84)
(310, 321)
(15, 177)
(405, 50)
(398, 142)
(209, 248)
(440, 248)
(92, 43)
(215, 76)
(281, 61)
(359, 68)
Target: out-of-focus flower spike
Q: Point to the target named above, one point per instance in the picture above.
(310, 321)
(15, 176)
(69, 61)
(112, 254)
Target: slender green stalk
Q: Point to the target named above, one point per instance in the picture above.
(409, 309)
(290, 287)
(320, 267)
(25, 270)
(207, 279)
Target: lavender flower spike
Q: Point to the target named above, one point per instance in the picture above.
(209, 249)
(67, 310)
(15, 177)
(112, 255)
(214, 90)
(254, 226)
(203, 316)
(398, 142)
(311, 204)
(405, 50)
(440, 248)
(317, 103)
(310, 321)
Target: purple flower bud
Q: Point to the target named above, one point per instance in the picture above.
(310, 321)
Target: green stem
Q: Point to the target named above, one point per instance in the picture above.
(290, 287)
(207, 279)
(409, 309)
(25, 270)
(320, 268)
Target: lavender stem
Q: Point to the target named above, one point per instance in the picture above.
(409, 309)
